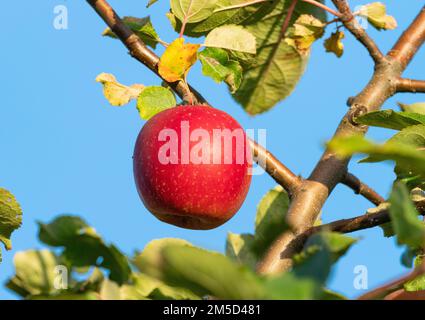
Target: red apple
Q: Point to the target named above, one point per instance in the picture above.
(192, 166)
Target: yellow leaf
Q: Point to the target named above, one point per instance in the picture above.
(334, 43)
(177, 59)
(304, 32)
(117, 93)
(376, 14)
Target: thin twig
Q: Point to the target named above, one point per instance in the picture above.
(288, 18)
(361, 188)
(381, 292)
(324, 7)
(365, 221)
(277, 170)
(409, 85)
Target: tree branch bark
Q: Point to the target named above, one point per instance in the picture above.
(277, 170)
(365, 221)
(361, 188)
(381, 292)
(310, 197)
(409, 85)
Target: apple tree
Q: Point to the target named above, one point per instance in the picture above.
(260, 49)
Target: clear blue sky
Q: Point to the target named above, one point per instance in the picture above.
(65, 150)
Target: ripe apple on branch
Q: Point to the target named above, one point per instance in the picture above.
(192, 166)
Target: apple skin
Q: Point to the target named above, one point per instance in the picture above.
(192, 196)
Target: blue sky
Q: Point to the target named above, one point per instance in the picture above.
(65, 150)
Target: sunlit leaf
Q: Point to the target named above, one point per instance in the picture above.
(110, 290)
(418, 283)
(278, 66)
(209, 273)
(391, 120)
(177, 59)
(231, 37)
(67, 296)
(304, 32)
(154, 99)
(405, 156)
(149, 260)
(151, 2)
(117, 93)
(334, 43)
(376, 14)
(10, 217)
(145, 287)
(404, 217)
(35, 272)
(270, 218)
(418, 107)
(191, 11)
(225, 12)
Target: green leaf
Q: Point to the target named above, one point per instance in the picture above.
(320, 252)
(376, 14)
(73, 233)
(110, 290)
(192, 11)
(210, 273)
(417, 284)
(68, 296)
(149, 260)
(116, 93)
(231, 37)
(391, 120)
(153, 100)
(404, 217)
(35, 272)
(331, 295)
(10, 217)
(217, 65)
(418, 107)
(412, 136)
(291, 287)
(270, 218)
(142, 27)
(269, 223)
(279, 66)
(205, 272)
(145, 287)
(223, 13)
(405, 156)
(239, 247)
